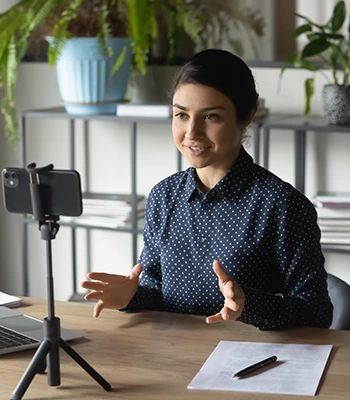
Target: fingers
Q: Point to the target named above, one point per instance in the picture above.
(220, 271)
(213, 319)
(227, 290)
(98, 308)
(94, 295)
(99, 276)
(111, 291)
(93, 285)
(223, 315)
(231, 304)
(136, 271)
(225, 280)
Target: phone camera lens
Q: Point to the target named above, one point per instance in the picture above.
(6, 175)
(13, 175)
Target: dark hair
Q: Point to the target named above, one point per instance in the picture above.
(224, 72)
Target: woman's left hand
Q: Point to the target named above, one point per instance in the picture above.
(233, 294)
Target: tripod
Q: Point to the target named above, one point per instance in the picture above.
(49, 348)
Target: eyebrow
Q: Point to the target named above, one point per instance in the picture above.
(202, 109)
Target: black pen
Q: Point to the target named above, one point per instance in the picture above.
(254, 367)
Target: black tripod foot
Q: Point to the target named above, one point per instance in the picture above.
(76, 357)
(35, 365)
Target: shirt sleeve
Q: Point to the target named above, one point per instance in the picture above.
(304, 300)
(149, 293)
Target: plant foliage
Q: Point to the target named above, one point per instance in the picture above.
(327, 44)
(137, 19)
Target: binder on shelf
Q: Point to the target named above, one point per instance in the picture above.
(144, 110)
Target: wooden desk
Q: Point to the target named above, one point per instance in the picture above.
(153, 355)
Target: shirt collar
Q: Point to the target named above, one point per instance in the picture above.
(231, 183)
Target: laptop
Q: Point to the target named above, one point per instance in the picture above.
(21, 332)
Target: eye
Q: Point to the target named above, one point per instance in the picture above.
(181, 115)
(211, 117)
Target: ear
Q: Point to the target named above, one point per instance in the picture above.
(251, 117)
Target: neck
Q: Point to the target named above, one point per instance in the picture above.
(209, 176)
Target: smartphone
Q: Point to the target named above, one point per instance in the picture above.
(60, 192)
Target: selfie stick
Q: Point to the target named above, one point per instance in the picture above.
(49, 348)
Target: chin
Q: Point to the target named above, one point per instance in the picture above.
(197, 164)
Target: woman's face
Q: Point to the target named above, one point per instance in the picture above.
(205, 128)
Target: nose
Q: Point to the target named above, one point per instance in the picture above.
(194, 130)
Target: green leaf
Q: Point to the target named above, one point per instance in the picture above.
(309, 92)
(287, 63)
(120, 60)
(301, 29)
(60, 31)
(334, 36)
(320, 27)
(315, 47)
(338, 17)
(305, 64)
(312, 36)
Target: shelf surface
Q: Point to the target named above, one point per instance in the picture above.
(311, 123)
(60, 112)
(76, 224)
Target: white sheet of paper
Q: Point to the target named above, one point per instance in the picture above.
(298, 368)
(8, 300)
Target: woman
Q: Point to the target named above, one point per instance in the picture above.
(225, 238)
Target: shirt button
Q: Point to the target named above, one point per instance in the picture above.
(202, 239)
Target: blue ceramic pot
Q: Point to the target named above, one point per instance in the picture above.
(84, 76)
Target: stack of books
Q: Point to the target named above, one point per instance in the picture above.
(333, 211)
(108, 210)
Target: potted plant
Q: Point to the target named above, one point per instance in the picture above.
(327, 47)
(216, 22)
(93, 24)
(96, 24)
(206, 24)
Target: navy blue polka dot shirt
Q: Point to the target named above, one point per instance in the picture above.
(261, 229)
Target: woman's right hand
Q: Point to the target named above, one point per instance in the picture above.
(112, 291)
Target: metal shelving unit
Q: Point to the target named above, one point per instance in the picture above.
(300, 126)
(134, 229)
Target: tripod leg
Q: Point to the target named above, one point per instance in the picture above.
(34, 366)
(77, 358)
(53, 366)
(42, 368)
(52, 331)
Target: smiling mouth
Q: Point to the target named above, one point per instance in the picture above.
(196, 148)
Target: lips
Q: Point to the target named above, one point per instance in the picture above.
(196, 150)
